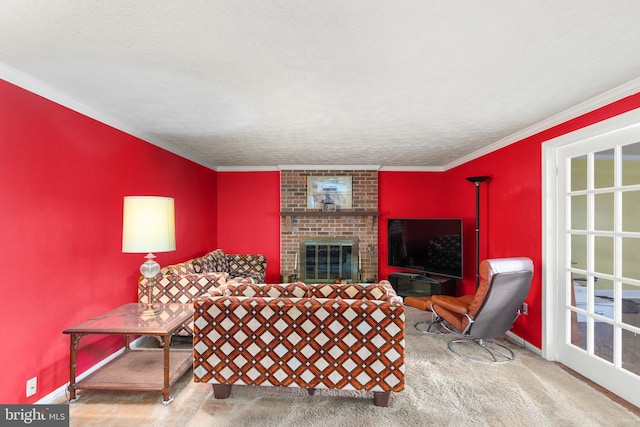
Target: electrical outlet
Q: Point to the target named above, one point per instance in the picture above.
(32, 386)
(525, 308)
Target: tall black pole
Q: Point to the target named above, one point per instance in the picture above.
(477, 180)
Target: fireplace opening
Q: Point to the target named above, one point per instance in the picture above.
(325, 260)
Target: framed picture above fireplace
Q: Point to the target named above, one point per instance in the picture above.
(322, 190)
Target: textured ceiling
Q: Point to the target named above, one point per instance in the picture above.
(413, 84)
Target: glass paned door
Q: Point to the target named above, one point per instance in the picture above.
(598, 191)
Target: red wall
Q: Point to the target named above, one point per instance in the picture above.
(63, 177)
(407, 195)
(510, 218)
(249, 216)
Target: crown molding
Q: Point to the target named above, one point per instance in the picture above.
(412, 169)
(630, 88)
(246, 168)
(329, 167)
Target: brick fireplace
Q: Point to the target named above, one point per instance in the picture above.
(349, 237)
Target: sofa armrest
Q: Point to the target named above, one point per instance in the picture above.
(301, 342)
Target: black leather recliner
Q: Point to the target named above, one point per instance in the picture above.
(491, 311)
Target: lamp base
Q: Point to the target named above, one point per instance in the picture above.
(149, 269)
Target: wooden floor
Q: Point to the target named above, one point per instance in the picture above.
(631, 407)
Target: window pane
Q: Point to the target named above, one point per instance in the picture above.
(579, 297)
(630, 351)
(579, 212)
(604, 211)
(631, 305)
(603, 169)
(630, 256)
(579, 173)
(603, 298)
(631, 210)
(603, 247)
(603, 340)
(579, 251)
(631, 316)
(578, 321)
(631, 164)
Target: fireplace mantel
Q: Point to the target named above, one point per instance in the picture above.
(293, 214)
(324, 213)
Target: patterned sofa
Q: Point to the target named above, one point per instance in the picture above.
(329, 336)
(183, 282)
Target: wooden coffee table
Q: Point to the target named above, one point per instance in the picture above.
(135, 369)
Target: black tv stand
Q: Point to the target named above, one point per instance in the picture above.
(419, 284)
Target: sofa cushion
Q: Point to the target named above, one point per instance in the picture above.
(372, 291)
(212, 262)
(186, 267)
(197, 265)
(284, 290)
(246, 265)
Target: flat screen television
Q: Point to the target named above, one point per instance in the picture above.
(426, 245)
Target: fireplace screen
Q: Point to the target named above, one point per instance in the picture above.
(326, 260)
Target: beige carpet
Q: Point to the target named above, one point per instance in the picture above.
(441, 390)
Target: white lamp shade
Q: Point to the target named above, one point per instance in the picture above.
(148, 224)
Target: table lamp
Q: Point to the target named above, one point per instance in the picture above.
(148, 225)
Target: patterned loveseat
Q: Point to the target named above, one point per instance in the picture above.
(183, 282)
(327, 336)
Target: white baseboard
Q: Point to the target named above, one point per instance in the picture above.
(523, 343)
